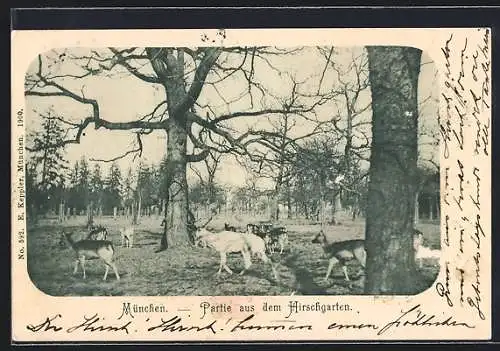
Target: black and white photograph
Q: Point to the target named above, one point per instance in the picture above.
(232, 170)
(240, 184)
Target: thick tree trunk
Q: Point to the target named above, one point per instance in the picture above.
(393, 74)
(176, 228)
(274, 204)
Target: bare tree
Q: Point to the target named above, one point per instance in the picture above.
(181, 73)
(212, 164)
(394, 73)
(351, 115)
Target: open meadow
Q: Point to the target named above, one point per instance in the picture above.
(191, 271)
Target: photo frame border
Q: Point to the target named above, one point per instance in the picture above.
(416, 18)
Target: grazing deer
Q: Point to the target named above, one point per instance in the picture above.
(276, 237)
(92, 249)
(127, 236)
(273, 237)
(228, 242)
(260, 229)
(98, 233)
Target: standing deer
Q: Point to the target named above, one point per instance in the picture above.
(127, 236)
(92, 249)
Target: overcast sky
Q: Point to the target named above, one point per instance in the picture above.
(122, 97)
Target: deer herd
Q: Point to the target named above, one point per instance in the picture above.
(261, 240)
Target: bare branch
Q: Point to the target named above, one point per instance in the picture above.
(137, 152)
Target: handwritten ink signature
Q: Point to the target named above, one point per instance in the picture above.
(415, 317)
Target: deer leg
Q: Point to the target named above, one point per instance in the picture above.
(223, 260)
(82, 263)
(115, 270)
(77, 261)
(273, 267)
(344, 268)
(225, 265)
(106, 272)
(332, 262)
(247, 260)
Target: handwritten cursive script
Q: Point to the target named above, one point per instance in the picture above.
(415, 317)
(174, 325)
(94, 324)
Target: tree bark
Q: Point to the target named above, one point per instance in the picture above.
(176, 228)
(393, 74)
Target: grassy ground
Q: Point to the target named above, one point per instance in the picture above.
(191, 271)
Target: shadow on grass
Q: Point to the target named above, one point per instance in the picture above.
(304, 282)
(191, 271)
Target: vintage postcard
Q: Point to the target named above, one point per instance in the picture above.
(251, 185)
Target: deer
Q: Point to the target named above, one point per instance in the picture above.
(98, 233)
(343, 251)
(92, 249)
(422, 252)
(225, 242)
(273, 236)
(127, 236)
(277, 237)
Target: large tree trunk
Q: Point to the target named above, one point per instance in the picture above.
(393, 74)
(274, 203)
(176, 228)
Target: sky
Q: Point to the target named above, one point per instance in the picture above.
(122, 97)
